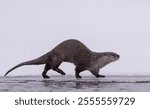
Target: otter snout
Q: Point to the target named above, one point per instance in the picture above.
(118, 56)
(115, 57)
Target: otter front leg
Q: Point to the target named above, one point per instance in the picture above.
(77, 72)
(96, 74)
(47, 67)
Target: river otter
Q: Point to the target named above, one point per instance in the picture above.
(75, 52)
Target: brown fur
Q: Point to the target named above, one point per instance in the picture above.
(75, 52)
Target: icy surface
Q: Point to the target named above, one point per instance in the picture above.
(71, 84)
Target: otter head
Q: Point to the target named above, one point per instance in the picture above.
(106, 58)
(110, 57)
(102, 59)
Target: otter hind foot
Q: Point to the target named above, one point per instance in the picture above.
(63, 73)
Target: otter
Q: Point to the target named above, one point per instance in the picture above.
(75, 52)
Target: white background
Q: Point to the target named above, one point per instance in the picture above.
(8, 101)
(31, 28)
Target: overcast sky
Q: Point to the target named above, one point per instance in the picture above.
(30, 28)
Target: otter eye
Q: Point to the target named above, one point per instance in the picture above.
(105, 54)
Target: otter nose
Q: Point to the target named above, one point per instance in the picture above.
(118, 56)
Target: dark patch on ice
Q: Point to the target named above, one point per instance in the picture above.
(142, 81)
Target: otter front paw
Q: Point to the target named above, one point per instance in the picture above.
(100, 76)
(78, 76)
(45, 76)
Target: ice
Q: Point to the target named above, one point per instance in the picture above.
(69, 83)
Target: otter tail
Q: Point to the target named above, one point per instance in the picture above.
(37, 61)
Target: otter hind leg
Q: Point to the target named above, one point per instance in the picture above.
(47, 67)
(59, 71)
(55, 68)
